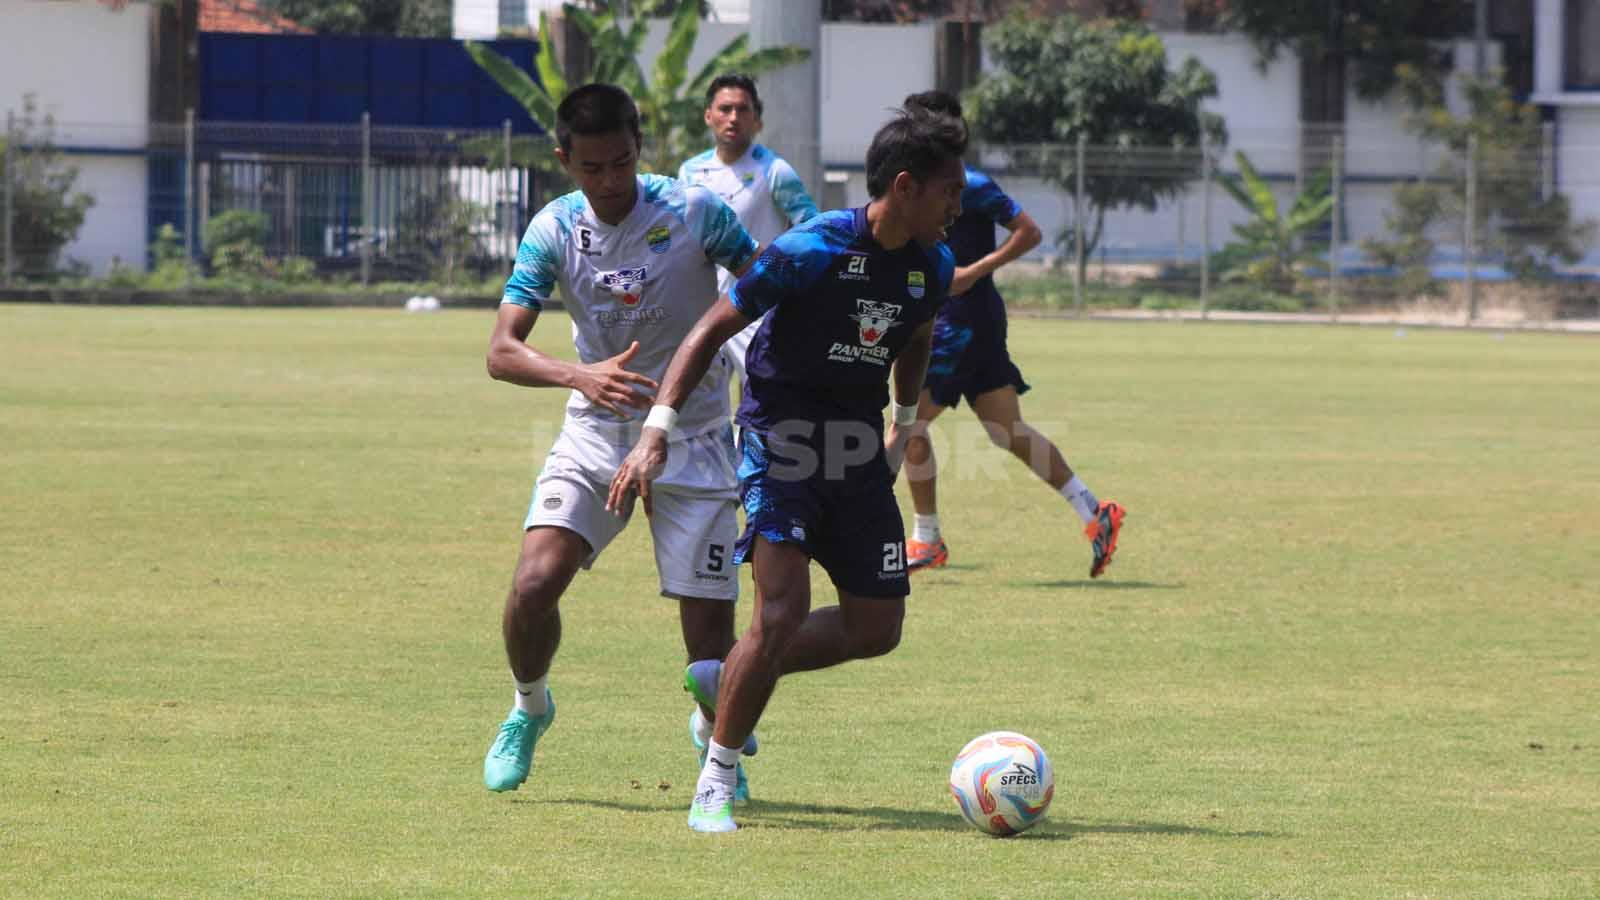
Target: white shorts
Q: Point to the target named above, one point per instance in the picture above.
(695, 524)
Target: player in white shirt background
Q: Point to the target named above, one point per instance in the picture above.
(636, 259)
(759, 185)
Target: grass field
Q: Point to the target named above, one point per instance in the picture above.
(254, 562)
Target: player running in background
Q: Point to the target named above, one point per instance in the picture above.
(635, 256)
(763, 190)
(970, 360)
(851, 293)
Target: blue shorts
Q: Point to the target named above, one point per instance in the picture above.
(850, 525)
(970, 358)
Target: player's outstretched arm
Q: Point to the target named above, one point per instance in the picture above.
(905, 387)
(722, 321)
(1025, 235)
(607, 383)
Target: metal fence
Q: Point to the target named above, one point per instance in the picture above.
(354, 203)
(1487, 228)
(1332, 221)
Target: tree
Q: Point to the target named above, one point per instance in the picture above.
(45, 212)
(441, 230)
(1270, 247)
(670, 104)
(1372, 37)
(397, 18)
(1517, 221)
(1108, 82)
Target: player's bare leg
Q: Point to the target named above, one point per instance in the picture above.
(707, 638)
(531, 623)
(1001, 414)
(531, 627)
(858, 628)
(707, 634)
(750, 674)
(925, 547)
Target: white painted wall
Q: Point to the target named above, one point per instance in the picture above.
(1577, 150)
(88, 66)
(85, 64)
(712, 38)
(867, 70)
(115, 227)
(480, 19)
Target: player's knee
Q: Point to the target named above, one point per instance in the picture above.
(1000, 435)
(878, 638)
(779, 620)
(536, 588)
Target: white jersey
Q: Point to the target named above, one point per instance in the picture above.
(763, 190)
(646, 279)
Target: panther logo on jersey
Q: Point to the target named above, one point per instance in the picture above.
(875, 320)
(627, 285)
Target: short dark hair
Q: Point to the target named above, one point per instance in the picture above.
(596, 109)
(913, 141)
(734, 80)
(941, 102)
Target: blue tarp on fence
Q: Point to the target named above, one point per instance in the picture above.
(299, 79)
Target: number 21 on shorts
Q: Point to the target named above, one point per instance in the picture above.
(894, 556)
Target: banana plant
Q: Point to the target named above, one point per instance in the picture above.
(1272, 247)
(670, 102)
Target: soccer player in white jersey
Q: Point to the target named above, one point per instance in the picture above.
(636, 258)
(763, 190)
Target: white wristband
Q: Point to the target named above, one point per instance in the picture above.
(903, 415)
(662, 417)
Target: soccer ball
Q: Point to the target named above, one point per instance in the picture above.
(1003, 782)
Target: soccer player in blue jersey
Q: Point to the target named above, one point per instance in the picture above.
(759, 185)
(852, 296)
(768, 197)
(970, 360)
(636, 258)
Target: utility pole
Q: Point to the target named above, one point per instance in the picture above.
(792, 94)
(1480, 37)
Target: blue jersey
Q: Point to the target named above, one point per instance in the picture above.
(844, 309)
(971, 238)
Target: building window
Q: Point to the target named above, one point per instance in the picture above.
(1583, 45)
(513, 14)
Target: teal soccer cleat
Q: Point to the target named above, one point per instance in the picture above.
(741, 790)
(712, 809)
(510, 758)
(701, 679)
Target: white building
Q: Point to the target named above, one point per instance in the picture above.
(1566, 81)
(88, 67)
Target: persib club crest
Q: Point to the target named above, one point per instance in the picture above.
(627, 285)
(875, 320)
(659, 238)
(916, 284)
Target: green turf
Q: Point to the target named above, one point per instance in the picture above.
(253, 565)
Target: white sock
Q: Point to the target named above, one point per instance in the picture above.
(702, 727)
(721, 765)
(1077, 493)
(925, 528)
(530, 697)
